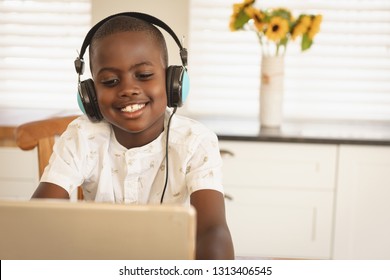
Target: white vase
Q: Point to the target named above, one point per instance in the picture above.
(271, 91)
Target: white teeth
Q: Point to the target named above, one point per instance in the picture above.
(132, 108)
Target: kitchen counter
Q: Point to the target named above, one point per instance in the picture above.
(303, 131)
(291, 131)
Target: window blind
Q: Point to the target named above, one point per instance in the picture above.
(345, 75)
(38, 44)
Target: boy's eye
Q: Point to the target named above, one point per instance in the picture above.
(144, 75)
(110, 82)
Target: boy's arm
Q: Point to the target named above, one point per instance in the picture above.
(49, 190)
(213, 235)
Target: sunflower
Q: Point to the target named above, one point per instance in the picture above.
(257, 16)
(275, 25)
(239, 18)
(301, 26)
(315, 26)
(277, 29)
(298, 30)
(305, 20)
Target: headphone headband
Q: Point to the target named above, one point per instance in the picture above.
(79, 65)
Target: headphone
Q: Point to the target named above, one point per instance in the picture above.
(177, 82)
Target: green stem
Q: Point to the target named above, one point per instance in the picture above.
(261, 42)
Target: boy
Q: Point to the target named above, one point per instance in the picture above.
(121, 159)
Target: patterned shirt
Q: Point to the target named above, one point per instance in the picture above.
(89, 155)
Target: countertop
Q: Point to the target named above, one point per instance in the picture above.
(303, 131)
(292, 131)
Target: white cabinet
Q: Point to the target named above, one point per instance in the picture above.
(282, 198)
(295, 200)
(18, 173)
(362, 222)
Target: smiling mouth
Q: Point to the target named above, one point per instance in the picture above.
(133, 108)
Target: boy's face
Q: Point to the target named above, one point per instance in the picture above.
(129, 77)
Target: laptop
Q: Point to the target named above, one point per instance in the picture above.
(61, 230)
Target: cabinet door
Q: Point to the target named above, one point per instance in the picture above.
(362, 229)
(18, 173)
(281, 224)
(281, 198)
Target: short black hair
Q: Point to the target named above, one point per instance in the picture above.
(119, 24)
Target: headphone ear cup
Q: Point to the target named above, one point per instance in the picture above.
(87, 100)
(177, 85)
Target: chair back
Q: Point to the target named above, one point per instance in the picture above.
(41, 134)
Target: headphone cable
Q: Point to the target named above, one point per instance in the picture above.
(166, 155)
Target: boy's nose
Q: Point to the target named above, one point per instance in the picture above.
(129, 87)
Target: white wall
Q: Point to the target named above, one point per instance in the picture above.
(173, 12)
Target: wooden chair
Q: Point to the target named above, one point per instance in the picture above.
(41, 134)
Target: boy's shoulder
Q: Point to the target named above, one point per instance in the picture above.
(181, 121)
(82, 125)
(183, 126)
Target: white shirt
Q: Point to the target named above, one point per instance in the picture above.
(88, 154)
